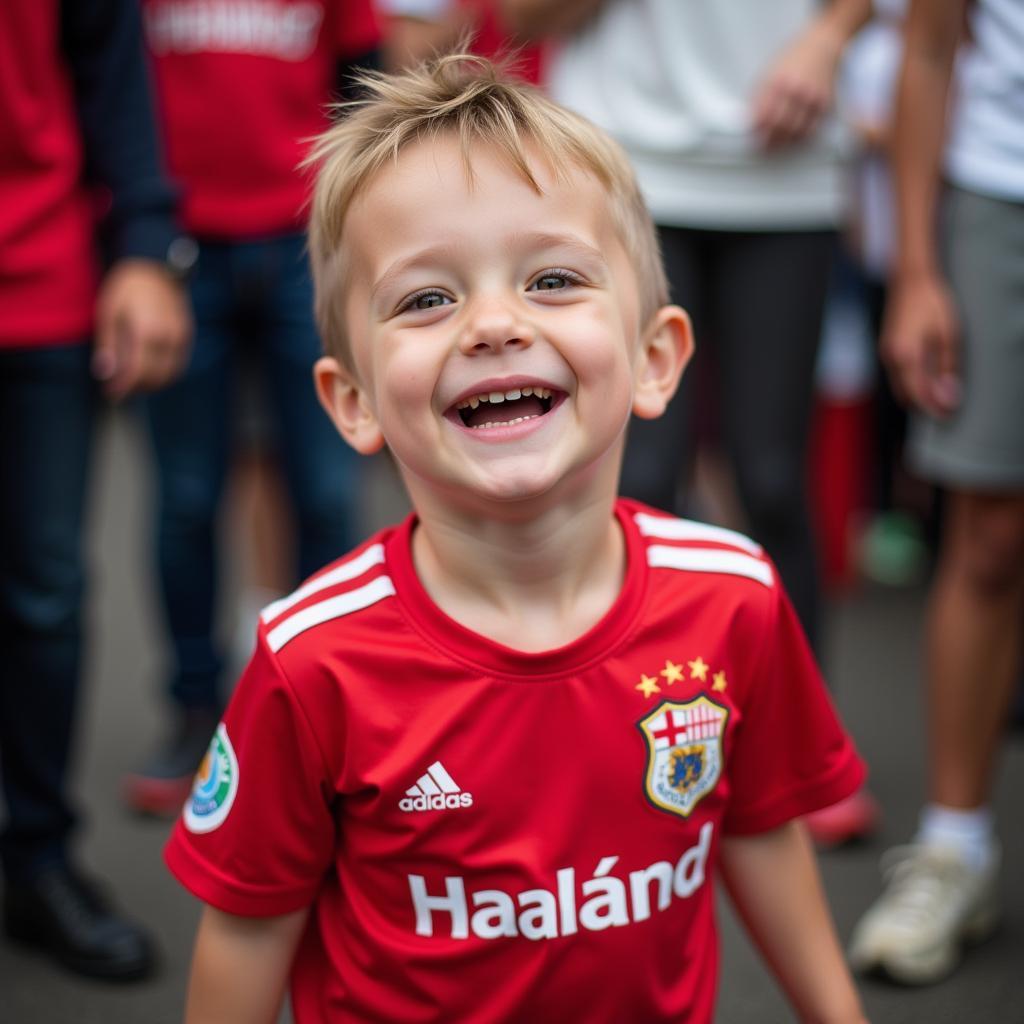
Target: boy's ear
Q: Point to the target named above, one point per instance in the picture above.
(665, 349)
(344, 400)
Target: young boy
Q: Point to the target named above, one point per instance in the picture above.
(485, 767)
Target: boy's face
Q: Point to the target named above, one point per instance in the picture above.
(495, 332)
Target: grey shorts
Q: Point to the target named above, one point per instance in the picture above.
(982, 445)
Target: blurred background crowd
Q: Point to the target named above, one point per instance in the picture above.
(839, 194)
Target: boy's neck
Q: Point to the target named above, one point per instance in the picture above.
(531, 583)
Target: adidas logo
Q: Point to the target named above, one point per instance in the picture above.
(435, 790)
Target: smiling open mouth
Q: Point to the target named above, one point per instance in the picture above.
(504, 408)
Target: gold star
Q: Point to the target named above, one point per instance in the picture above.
(672, 673)
(699, 670)
(648, 685)
(719, 682)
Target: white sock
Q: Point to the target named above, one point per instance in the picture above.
(970, 833)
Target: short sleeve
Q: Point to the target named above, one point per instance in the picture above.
(789, 753)
(257, 834)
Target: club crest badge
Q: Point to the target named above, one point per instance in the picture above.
(684, 752)
(215, 786)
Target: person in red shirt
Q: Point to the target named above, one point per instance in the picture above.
(243, 85)
(486, 767)
(76, 135)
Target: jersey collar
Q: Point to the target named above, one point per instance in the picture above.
(487, 655)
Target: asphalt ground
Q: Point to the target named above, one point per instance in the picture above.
(872, 659)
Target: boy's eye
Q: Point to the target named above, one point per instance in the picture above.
(549, 282)
(553, 280)
(425, 300)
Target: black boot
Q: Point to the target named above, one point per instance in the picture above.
(62, 913)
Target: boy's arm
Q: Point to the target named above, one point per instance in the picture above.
(920, 337)
(773, 881)
(240, 967)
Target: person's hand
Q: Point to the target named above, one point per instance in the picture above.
(874, 136)
(797, 90)
(143, 328)
(921, 344)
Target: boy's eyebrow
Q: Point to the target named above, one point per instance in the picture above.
(527, 240)
(547, 240)
(421, 258)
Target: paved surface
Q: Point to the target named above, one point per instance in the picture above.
(873, 662)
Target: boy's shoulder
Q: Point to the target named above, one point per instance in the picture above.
(715, 581)
(349, 595)
(685, 551)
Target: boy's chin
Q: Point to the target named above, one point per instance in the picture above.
(498, 497)
(511, 498)
(505, 493)
(516, 486)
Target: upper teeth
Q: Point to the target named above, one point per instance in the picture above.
(500, 396)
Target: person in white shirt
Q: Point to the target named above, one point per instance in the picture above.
(954, 338)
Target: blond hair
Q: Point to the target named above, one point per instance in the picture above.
(464, 97)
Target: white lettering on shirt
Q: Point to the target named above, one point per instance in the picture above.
(608, 901)
(265, 28)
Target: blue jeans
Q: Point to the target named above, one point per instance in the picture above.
(253, 299)
(47, 407)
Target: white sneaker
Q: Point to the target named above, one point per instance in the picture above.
(932, 905)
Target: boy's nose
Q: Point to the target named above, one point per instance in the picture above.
(493, 327)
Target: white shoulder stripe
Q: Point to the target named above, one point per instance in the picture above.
(661, 556)
(373, 555)
(668, 528)
(333, 608)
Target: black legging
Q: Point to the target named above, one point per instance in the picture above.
(756, 300)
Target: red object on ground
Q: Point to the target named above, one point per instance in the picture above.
(839, 471)
(854, 818)
(161, 798)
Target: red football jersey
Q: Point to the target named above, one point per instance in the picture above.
(243, 88)
(491, 835)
